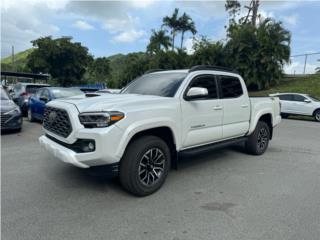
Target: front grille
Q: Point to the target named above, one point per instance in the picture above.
(57, 121)
(4, 118)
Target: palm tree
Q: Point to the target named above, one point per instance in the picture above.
(158, 40)
(172, 23)
(186, 24)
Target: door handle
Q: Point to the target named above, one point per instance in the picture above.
(244, 105)
(217, 107)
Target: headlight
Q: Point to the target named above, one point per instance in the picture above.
(13, 111)
(100, 119)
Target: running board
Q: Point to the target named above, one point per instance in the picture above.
(210, 147)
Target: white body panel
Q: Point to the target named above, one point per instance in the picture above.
(192, 123)
(298, 107)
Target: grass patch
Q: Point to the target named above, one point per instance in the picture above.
(308, 85)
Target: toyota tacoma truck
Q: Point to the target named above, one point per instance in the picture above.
(157, 118)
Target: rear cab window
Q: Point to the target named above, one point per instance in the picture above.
(230, 87)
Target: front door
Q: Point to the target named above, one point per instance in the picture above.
(202, 118)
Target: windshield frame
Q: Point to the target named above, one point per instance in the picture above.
(154, 73)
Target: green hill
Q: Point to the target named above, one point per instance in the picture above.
(20, 59)
(308, 85)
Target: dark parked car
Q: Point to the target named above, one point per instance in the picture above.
(21, 93)
(38, 101)
(11, 118)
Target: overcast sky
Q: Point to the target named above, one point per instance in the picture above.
(108, 28)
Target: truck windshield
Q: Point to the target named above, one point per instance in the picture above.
(159, 84)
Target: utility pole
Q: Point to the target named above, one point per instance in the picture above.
(305, 63)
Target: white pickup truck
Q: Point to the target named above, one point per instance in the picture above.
(139, 133)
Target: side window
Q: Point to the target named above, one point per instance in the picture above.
(208, 82)
(38, 94)
(44, 94)
(230, 87)
(286, 97)
(298, 98)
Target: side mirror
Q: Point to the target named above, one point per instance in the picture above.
(44, 99)
(307, 101)
(196, 92)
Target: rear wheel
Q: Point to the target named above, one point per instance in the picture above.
(258, 141)
(317, 115)
(30, 117)
(145, 165)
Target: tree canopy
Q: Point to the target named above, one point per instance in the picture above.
(64, 60)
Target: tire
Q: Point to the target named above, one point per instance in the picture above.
(30, 117)
(317, 115)
(284, 115)
(258, 141)
(136, 160)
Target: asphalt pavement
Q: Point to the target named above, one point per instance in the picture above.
(225, 194)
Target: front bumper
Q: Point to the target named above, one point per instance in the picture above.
(13, 123)
(60, 152)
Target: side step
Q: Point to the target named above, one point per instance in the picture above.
(206, 148)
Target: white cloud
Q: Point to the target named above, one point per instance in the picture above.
(291, 20)
(82, 25)
(142, 3)
(188, 45)
(129, 36)
(115, 25)
(20, 25)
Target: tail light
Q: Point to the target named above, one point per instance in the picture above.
(24, 94)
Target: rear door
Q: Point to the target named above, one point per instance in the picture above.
(202, 118)
(236, 106)
(286, 103)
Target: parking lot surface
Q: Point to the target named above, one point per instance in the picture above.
(225, 194)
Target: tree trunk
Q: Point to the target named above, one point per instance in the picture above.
(173, 35)
(182, 36)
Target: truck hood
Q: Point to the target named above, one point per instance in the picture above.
(113, 102)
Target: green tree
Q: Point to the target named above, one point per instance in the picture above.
(186, 24)
(233, 8)
(207, 52)
(64, 60)
(158, 41)
(99, 70)
(258, 52)
(135, 64)
(173, 24)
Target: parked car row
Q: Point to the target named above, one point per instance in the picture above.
(29, 100)
(11, 117)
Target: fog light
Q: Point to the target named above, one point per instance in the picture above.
(88, 147)
(91, 146)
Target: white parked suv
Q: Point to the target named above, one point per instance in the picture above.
(139, 133)
(299, 104)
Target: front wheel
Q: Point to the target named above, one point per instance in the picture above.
(317, 115)
(258, 141)
(145, 165)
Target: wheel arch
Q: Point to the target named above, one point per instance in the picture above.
(314, 112)
(267, 118)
